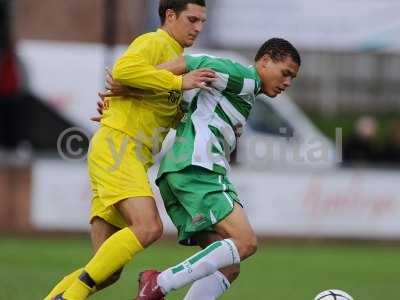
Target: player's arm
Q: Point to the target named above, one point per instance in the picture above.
(176, 66)
(195, 79)
(199, 78)
(136, 67)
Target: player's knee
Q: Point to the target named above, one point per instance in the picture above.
(158, 230)
(148, 232)
(155, 230)
(248, 247)
(252, 245)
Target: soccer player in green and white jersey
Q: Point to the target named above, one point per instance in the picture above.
(193, 176)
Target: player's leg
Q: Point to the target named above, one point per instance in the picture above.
(208, 198)
(63, 284)
(237, 228)
(214, 285)
(144, 227)
(142, 217)
(206, 238)
(210, 287)
(100, 231)
(125, 193)
(240, 242)
(217, 255)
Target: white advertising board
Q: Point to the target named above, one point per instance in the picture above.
(336, 203)
(60, 197)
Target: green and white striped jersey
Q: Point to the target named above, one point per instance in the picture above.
(206, 135)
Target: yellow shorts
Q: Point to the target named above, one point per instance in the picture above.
(117, 170)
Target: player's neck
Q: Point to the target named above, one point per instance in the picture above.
(169, 30)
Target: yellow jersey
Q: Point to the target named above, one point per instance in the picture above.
(146, 119)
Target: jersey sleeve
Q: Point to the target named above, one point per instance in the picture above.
(232, 77)
(136, 67)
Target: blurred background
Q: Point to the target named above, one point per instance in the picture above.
(318, 168)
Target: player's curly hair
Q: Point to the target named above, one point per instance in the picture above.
(278, 49)
(177, 6)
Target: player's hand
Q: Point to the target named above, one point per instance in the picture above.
(100, 106)
(114, 88)
(201, 78)
(238, 129)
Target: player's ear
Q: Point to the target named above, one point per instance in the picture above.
(170, 15)
(265, 59)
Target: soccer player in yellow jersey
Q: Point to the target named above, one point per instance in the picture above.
(124, 217)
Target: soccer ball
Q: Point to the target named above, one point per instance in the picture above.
(333, 295)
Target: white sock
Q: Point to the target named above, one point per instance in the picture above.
(208, 288)
(218, 255)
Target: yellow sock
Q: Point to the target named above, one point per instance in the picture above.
(77, 291)
(64, 284)
(115, 252)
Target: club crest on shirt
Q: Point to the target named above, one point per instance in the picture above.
(174, 97)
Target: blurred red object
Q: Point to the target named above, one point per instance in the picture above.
(9, 79)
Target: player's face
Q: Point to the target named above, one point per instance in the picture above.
(276, 76)
(187, 25)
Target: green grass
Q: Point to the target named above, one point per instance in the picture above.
(30, 267)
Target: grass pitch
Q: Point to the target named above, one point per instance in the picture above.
(29, 267)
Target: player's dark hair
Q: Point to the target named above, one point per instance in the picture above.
(278, 49)
(177, 6)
